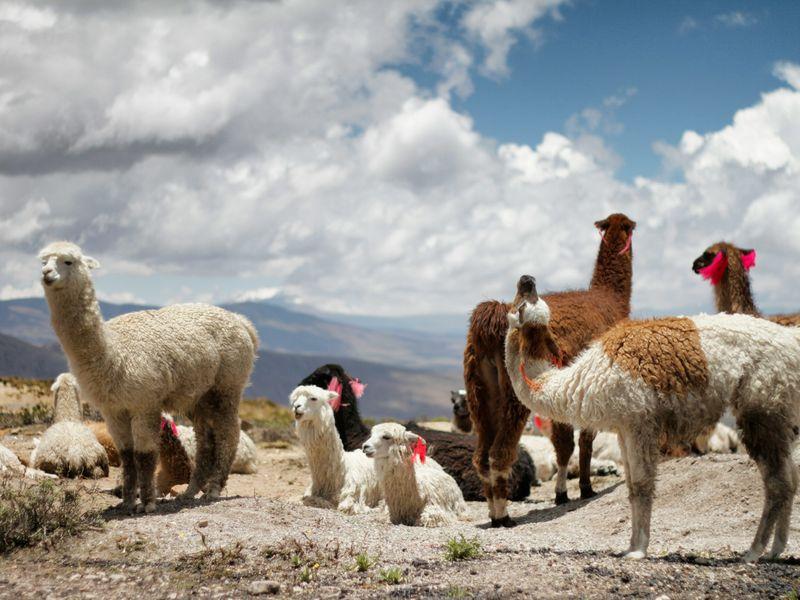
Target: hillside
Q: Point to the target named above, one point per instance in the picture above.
(392, 392)
(281, 330)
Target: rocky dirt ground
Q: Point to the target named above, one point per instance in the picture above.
(261, 540)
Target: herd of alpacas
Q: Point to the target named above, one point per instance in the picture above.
(574, 359)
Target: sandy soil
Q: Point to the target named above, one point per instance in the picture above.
(260, 539)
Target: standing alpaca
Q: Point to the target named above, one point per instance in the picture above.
(339, 479)
(727, 268)
(68, 447)
(578, 316)
(452, 451)
(189, 358)
(461, 421)
(671, 377)
(417, 490)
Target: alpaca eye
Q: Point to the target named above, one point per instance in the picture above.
(68, 263)
(387, 437)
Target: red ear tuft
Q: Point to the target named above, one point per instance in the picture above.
(716, 269)
(357, 387)
(537, 420)
(334, 385)
(420, 450)
(749, 260)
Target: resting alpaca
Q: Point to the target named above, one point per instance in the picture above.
(192, 359)
(417, 490)
(339, 479)
(672, 377)
(452, 451)
(68, 448)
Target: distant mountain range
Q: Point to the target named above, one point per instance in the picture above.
(408, 373)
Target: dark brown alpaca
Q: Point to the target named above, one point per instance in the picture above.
(727, 268)
(576, 317)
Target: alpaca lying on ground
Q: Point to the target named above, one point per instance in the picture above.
(673, 376)
(544, 456)
(11, 464)
(193, 359)
(578, 317)
(244, 461)
(461, 421)
(416, 489)
(100, 432)
(719, 439)
(343, 480)
(68, 447)
(727, 268)
(452, 451)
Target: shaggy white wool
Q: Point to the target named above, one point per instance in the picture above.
(343, 480)
(415, 493)
(753, 368)
(10, 463)
(68, 447)
(245, 460)
(191, 359)
(606, 457)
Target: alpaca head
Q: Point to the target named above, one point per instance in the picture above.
(66, 398)
(310, 404)
(617, 232)
(392, 440)
(721, 258)
(529, 321)
(459, 400)
(64, 266)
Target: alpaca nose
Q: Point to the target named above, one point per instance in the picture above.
(298, 412)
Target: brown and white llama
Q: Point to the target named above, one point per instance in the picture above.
(727, 268)
(577, 317)
(671, 377)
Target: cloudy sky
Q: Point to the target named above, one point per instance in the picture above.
(398, 158)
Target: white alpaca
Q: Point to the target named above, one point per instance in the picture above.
(193, 359)
(719, 439)
(245, 460)
(68, 447)
(11, 464)
(416, 493)
(343, 480)
(675, 377)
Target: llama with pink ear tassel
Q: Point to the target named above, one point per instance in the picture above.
(727, 268)
(340, 480)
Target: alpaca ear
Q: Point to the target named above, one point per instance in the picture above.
(604, 224)
(330, 395)
(410, 437)
(90, 262)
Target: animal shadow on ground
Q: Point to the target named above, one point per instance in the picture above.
(543, 515)
(735, 559)
(164, 507)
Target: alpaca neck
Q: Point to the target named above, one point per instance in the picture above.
(68, 406)
(732, 293)
(325, 455)
(79, 326)
(538, 399)
(398, 478)
(613, 271)
(351, 428)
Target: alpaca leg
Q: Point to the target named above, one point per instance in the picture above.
(501, 458)
(119, 426)
(480, 460)
(786, 485)
(145, 442)
(204, 456)
(226, 434)
(585, 442)
(640, 469)
(564, 444)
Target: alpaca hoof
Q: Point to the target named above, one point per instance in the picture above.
(587, 492)
(508, 522)
(561, 498)
(496, 523)
(635, 555)
(212, 494)
(751, 556)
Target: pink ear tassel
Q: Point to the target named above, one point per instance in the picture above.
(420, 451)
(749, 260)
(716, 269)
(357, 387)
(627, 243)
(334, 385)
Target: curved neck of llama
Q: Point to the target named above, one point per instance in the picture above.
(614, 271)
(325, 454)
(398, 478)
(67, 405)
(78, 323)
(732, 294)
(543, 399)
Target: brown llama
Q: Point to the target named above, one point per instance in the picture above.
(727, 268)
(577, 317)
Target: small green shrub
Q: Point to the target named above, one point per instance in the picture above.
(38, 413)
(461, 548)
(456, 591)
(364, 562)
(305, 575)
(392, 575)
(42, 512)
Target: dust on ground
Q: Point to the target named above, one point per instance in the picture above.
(261, 540)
